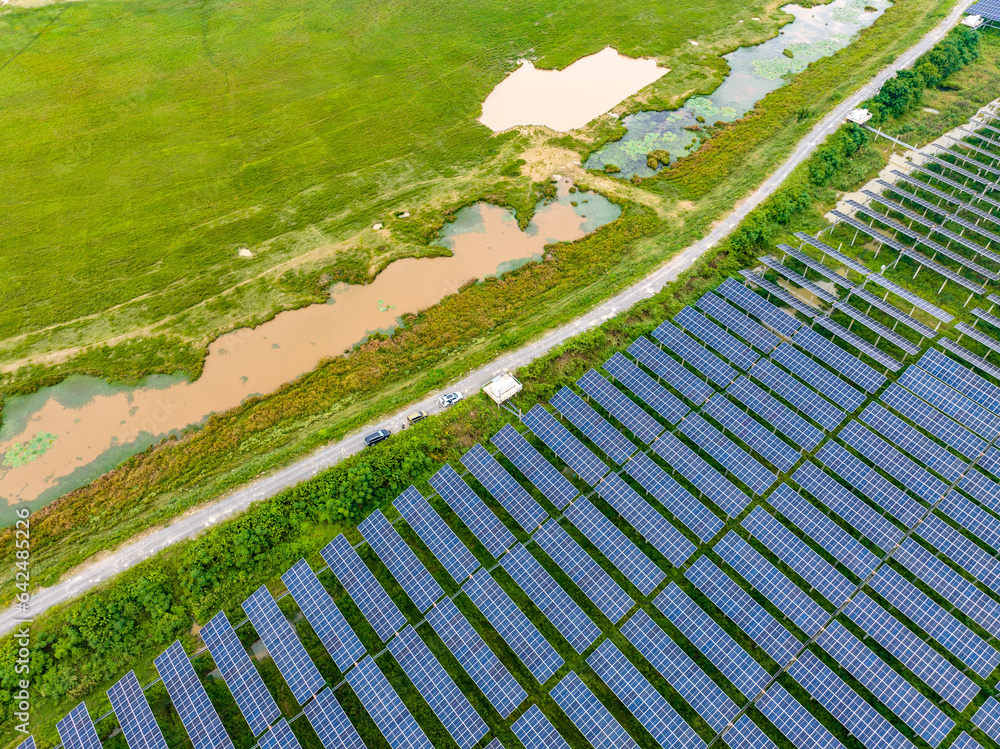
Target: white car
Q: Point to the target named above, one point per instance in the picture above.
(450, 399)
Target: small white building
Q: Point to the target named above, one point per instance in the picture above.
(502, 388)
(973, 22)
(859, 116)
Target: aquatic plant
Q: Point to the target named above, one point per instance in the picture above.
(22, 453)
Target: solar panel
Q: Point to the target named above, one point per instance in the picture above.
(380, 611)
(471, 510)
(923, 448)
(919, 713)
(976, 361)
(692, 352)
(551, 600)
(772, 583)
(77, 730)
(935, 621)
(642, 700)
(674, 665)
(793, 720)
(581, 568)
(840, 257)
(279, 637)
(435, 533)
(771, 316)
(807, 401)
(513, 626)
(649, 391)
(828, 273)
(909, 473)
(535, 732)
(556, 487)
(495, 744)
(776, 291)
(858, 514)
(594, 426)
(767, 444)
(323, 615)
(882, 331)
(615, 545)
(966, 159)
(280, 737)
(987, 317)
(28, 743)
(965, 741)
(963, 379)
(725, 653)
(481, 663)
(746, 735)
(190, 700)
(698, 518)
(705, 479)
(838, 359)
(966, 554)
(978, 336)
(399, 558)
(818, 377)
(776, 413)
(730, 348)
(328, 719)
(514, 498)
(745, 612)
(933, 421)
(562, 442)
(797, 279)
(736, 322)
(835, 540)
(589, 715)
(913, 184)
(649, 523)
(846, 705)
(387, 710)
(923, 660)
(952, 402)
(988, 718)
(447, 701)
(982, 489)
(733, 458)
(666, 368)
(989, 185)
(958, 186)
(917, 302)
(859, 343)
(808, 564)
(134, 715)
(252, 697)
(892, 311)
(620, 406)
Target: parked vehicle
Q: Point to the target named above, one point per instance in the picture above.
(416, 416)
(376, 437)
(450, 399)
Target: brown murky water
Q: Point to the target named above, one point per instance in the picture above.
(252, 361)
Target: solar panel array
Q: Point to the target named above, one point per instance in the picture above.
(667, 405)
(702, 476)
(404, 565)
(771, 316)
(504, 488)
(386, 708)
(798, 280)
(793, 720)
(664, 366)
(880, 330)
(77, 730)
(793, 426)
(839, 360)
(535, 731)
(892, 311)
(563, 443)
(805, 400)
(379, 609)
(134, 715)
(435, 533)
(589, 715)
(595, 427)
(471, 510)
(736, 322)
(556, 487)
(190, 700)
(280, 737)
(688, 350)
(988, 718)
(952, 402)
(828, 273)
(330, 722)
(731, 456)
(787, 298)
(731, 348)
(818, 377)
(741, 424)
(620, 406)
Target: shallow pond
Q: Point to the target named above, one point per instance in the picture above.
(65, 436)
(755, 72)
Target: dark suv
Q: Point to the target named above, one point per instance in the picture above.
(376, 437)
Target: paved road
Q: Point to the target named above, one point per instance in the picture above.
(192, 524)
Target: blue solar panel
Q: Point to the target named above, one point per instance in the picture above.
(404, 565)
(640, 697)
(770, 581)
(725, 653)
(646, 520)
(693, 684)
(767, 444)
(746, 735)
(535, 732)
(481, 663)
(963, 379)
(279, 637)
(818, 377)
(793, 720)
(433, 531)
(472, 511)
(809, 402)
(907, 472)
(649, 391)
(705, 479)
(385, 707)
(756, 305)
(514, 498)
(736, 322)
(838, 359)
(731, 349)
(965, 553)
(556, 487)
(739, 606)
(280, 737)
(918, 712)
(664, 366)
(938, 394)
(733, 458)
(437, 687)
(988, 718)
(923, 660)
(552, 600)
(323, 615)
(562, 442)
(581, 568)
(190, 700)
(594, 426)
(615, 545)
(28, 743)
(692, 352)
(870, 483)
(912, 441)
(249, 691)
(964, 740)
(990, 462)
(790, 549)
(678, 500)
(972, 518)
(933, 421)
(513, 626)
(775, 413)
(982, 489)
(589, 715)
(134, 715)
(621, 407)
(77, 730)
(380, 611)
